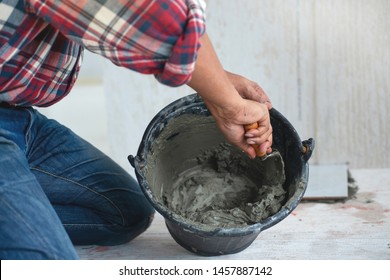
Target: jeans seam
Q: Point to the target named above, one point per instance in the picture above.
(83, 186)
(27, 137)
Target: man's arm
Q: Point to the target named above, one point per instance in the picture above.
(228, 107)
(150, 37)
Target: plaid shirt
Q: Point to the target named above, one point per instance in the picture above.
(41, 42)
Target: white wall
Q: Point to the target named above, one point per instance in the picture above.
(325, 65)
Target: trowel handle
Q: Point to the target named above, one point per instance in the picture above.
(248, 127)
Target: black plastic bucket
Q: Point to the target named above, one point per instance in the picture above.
(154, 171)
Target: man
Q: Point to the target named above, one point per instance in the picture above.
(55, 188)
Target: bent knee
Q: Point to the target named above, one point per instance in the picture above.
(126, 233)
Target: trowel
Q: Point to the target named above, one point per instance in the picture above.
(260, 155)
(271, 166)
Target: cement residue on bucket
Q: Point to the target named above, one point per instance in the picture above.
(223, 189)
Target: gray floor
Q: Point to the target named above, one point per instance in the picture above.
(356, 229)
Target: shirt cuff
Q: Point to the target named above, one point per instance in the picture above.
(180, 64)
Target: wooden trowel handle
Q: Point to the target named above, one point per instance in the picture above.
(248, 127)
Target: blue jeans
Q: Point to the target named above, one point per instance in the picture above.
(57, 190)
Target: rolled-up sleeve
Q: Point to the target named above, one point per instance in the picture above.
(151, 37)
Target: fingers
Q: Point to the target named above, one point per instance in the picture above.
(251, 152)
(251, 149)
(263, 142)
(249, 89)
(248, 149)
(261, 130)
(256, 93)
(259, 135)
(265, 147)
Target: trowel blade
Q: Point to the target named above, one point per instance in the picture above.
(272, 167)
(272, 154)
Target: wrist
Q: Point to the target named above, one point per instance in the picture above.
(225, 108)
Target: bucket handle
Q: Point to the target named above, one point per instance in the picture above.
(307, 148)
(132, 160)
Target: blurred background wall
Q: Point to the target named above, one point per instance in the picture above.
(325, 64)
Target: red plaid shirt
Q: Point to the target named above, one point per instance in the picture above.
(41, 42)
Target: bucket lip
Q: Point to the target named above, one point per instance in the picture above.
(195, 102)
(169, 111)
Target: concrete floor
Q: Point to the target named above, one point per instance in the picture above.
(358, 228)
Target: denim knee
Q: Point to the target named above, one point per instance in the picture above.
(130, 232)
(134, 222)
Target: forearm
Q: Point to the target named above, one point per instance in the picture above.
(230, 109)
(210, 80)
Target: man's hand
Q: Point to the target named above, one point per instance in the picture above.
(249, 89)
(231, 123)
(233, 101)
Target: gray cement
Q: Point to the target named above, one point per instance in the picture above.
(217, 190)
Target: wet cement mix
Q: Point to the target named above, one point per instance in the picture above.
(218, 192)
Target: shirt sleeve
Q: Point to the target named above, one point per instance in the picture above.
(151, 37)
